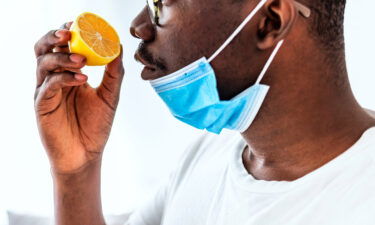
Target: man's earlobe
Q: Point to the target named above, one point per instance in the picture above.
(278, 18)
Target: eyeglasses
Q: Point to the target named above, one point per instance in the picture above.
(154, 7)
(304, 10)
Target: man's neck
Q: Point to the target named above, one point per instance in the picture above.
(298, 131)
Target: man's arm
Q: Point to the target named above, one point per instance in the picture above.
(74, 122)
(77, 196)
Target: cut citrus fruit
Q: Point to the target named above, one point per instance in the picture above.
(95, 39)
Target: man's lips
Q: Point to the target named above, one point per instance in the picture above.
(147, 65)
(149, 71)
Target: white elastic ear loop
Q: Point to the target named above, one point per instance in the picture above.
(269, 61)
(238, 30)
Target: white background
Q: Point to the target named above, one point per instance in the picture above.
(146, 141)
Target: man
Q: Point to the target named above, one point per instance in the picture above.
(301, 148)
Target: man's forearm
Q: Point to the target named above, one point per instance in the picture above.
(77, 196)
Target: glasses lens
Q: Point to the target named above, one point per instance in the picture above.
(151, 6)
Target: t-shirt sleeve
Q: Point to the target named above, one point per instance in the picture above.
(151, 212)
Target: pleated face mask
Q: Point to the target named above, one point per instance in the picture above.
(191, 93)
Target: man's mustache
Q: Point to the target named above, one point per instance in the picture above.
(147, 56)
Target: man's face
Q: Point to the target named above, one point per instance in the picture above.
(191, 29)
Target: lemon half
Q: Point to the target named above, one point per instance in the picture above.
(94, 38)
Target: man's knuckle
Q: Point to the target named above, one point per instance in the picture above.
(67, 78)
(51, 33)
(41, 73)
(51, 37)
(39, 61)
(61, 57)
(57, 59)
(36, 47)
(44, 64)
(48, 80)
(59, 78)
(36, 93)
(51, 85)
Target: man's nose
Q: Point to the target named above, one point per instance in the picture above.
(142, 26)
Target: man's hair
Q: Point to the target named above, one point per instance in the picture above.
(328, 22)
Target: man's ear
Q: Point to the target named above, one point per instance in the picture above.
(278, 18)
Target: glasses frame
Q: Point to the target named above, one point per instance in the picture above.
(304, 10)
(154, 10)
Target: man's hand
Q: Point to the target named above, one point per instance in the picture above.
(74, 119)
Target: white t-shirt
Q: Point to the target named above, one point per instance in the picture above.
(212, 187)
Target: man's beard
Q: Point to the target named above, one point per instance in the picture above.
(149, 58)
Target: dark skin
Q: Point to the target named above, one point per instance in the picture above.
(308, 118)
(286, 143)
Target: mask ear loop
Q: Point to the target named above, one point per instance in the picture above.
(269, 61)
(238, 30)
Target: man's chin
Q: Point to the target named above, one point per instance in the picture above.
(149, 73)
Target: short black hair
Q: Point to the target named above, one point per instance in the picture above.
(328, 22)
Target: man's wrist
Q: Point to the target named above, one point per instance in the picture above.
(86, 172)
(78, 191)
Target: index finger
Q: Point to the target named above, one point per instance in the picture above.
(65, 48)
(52, 39)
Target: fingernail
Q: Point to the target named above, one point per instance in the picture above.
(59, 33)
(69, 24)
(76, 58)
(80, 77)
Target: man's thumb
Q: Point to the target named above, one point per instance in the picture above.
(110, 87)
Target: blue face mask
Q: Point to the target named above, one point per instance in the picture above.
(192, 96)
